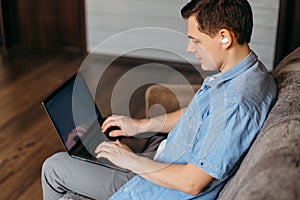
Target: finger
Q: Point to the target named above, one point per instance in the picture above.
(107, 121)
(113, 118)
(117, 117)
(118, 143)
(108, 125)
(102, 146)
(104, 143)
(116, 133)
(102, 155)
(103, 149)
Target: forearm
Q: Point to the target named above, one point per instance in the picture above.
(163, 123)
(156, 172)
(180, 177)
(187, 178)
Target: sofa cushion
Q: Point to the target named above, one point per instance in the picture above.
(271, 169)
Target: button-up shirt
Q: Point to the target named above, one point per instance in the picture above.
(216, 130)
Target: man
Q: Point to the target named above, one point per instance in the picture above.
(206, 143)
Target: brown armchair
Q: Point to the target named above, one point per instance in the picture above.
(170, 97)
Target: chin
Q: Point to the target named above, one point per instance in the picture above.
(208, 68)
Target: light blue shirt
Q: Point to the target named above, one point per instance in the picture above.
(215, 132)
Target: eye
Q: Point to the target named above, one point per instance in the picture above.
(196, 41)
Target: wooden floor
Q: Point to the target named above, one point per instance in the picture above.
(27, 137)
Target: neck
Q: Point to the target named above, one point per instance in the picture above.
(234, 55)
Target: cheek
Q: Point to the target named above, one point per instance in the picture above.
(201, 51)
(204, 52)
(210, 59)
(214, 53)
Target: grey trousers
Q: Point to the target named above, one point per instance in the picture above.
(62, 173)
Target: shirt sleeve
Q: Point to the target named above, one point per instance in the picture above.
(230, 130)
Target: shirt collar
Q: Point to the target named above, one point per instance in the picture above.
(236, 70)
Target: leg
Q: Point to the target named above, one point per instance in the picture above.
(61, 173)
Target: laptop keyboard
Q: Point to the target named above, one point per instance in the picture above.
(93, 145)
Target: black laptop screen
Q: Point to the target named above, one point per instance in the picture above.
(68, 111)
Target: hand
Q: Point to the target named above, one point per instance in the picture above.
(117, 152)
(129, 127)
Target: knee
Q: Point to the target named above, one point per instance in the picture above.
(51, 166)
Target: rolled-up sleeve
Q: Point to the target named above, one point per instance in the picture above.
(230, 130)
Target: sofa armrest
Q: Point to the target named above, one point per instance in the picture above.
(169, 97)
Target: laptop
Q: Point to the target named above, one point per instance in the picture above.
(77, 120)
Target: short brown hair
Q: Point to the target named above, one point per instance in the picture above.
(213, 15)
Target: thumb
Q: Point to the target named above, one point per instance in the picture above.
(116, 133)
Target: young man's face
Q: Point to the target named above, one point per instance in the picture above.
(206, 49)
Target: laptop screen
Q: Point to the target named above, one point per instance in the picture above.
(70, 107)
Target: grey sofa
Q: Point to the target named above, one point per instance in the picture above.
(271, 168)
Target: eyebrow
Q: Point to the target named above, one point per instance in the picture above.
(195, 39)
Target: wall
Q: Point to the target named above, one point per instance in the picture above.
(265, 14)
(56, 24)
(105, 19)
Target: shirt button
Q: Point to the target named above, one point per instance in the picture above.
(125, 189)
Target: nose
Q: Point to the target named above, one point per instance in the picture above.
(191, 47)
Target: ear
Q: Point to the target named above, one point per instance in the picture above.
(226, 38)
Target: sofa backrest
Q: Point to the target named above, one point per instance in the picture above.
(271, 168)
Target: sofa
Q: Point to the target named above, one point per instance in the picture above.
(271, 168)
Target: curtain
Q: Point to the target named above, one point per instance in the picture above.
(288, 31)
